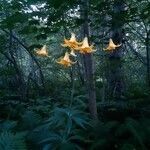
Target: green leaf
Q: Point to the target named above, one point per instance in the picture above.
(10, 141)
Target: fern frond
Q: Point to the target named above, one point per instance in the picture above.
(7, 125)
(10, 141)
(30, 120)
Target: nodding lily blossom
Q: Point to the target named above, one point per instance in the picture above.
(65, 61)
(42, 52)
(85, 48)
(72, 42)
(111, 46)
(73, 53)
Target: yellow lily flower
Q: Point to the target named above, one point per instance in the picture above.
(85, 48)
(42, 52)
(73, 53)
(72, 42)
(111, 46)
(65, 61)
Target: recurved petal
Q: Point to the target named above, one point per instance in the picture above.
(64, 45)
(73, 62)
(118, 45)
(105, 49)
(73, 53)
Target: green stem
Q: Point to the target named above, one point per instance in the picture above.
(72, 87)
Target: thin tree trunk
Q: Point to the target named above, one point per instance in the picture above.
(22, 84)
(115, 77)
(148, 57)
(88, 65)
(80, 73)
(32, 56)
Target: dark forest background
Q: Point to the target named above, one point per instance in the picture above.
(100, 102)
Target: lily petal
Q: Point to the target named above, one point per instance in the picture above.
(111, 46)
(85, 48)
(42, 52)
(72, 42)
(65, 61)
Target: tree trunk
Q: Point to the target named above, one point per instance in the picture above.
(21, 81)
(148, 57)
(115, 80)
(34, 59)
(88, 64)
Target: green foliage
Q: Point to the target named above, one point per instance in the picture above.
(137, 91)
(30, 120)
(10, 141)
(67, 128)
(42, 105)
(61, 129)
(122, 135)
(7, 125)
(66, 116)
